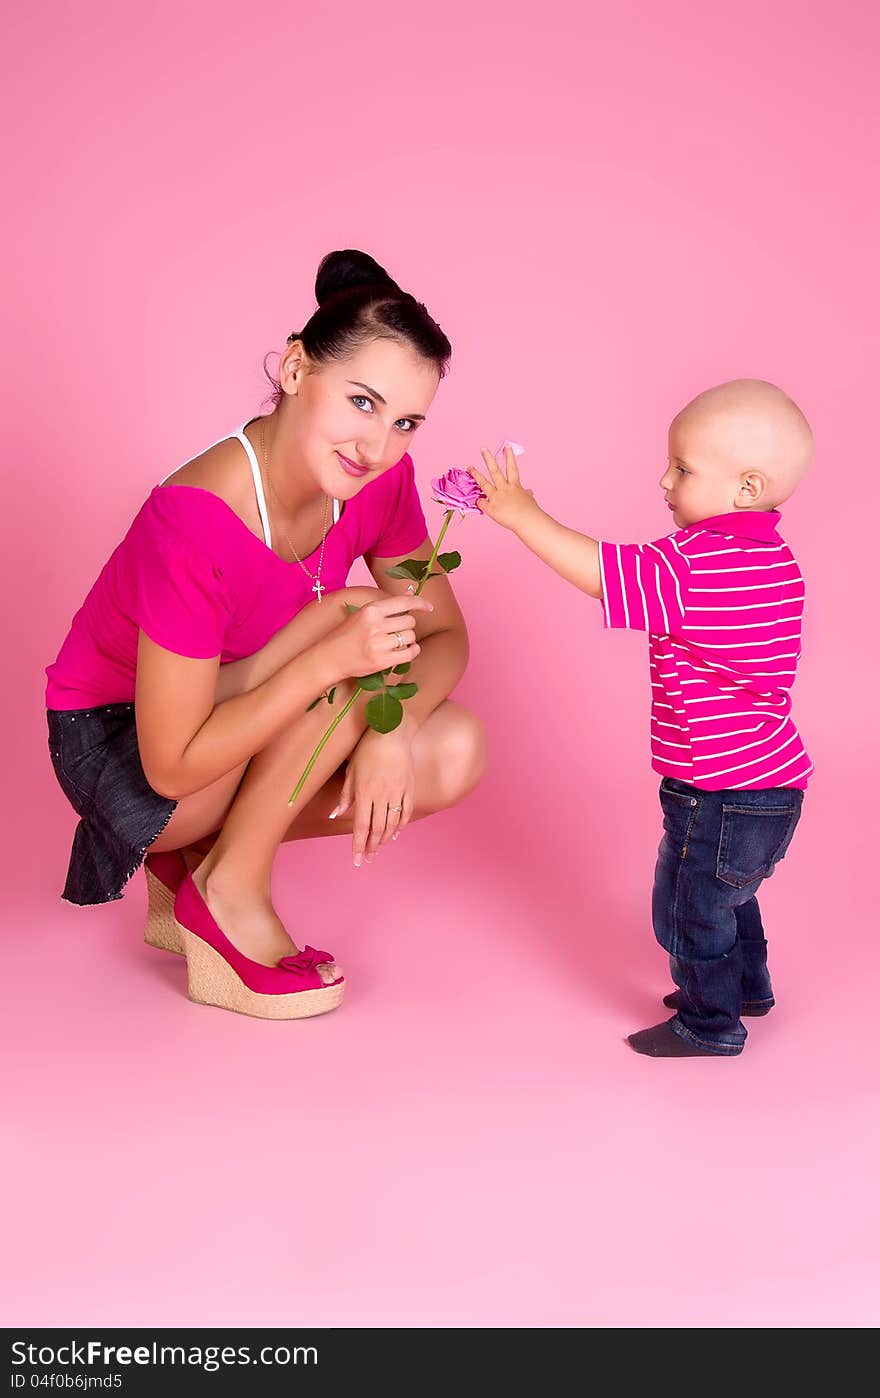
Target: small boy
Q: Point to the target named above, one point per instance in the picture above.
(722, 600)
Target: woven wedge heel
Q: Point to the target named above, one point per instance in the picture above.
(164, 874)
(220, 975)
(212, 981)
(161, 931)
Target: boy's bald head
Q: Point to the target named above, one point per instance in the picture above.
(749, 428)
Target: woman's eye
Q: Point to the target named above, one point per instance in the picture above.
(365, 405)
(682, 470)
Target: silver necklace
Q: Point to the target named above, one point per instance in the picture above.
(318, 586)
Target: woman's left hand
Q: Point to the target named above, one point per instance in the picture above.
(380, 785)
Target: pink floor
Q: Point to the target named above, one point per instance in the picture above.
(467, 1141)
(609, 207)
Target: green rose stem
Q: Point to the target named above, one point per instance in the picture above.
(447, 517)
(361, 689)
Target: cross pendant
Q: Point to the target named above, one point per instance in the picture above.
(318, 588)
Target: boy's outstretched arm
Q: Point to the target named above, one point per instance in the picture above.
(573, 556)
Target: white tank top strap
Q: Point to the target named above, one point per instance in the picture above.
(258, 484)
(258, 487)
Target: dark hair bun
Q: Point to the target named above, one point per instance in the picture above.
(341, 271)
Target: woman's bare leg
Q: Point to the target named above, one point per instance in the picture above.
(248, 808)
(449, 758)
(235, 876)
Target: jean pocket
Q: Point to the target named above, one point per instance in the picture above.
(675, 797)
(753, 841)
(679, 813)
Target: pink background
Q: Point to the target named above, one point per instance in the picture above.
(608, 207)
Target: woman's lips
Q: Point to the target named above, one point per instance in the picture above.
(350, 467)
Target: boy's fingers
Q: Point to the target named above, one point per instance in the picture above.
(494, 469)
(512, 468)
(480, 480)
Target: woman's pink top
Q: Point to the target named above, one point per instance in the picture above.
(190, 573)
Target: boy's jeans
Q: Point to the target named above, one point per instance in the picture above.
(717, 849)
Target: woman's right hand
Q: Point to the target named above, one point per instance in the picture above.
(379, 635)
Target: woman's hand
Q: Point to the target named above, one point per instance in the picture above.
(377, 636)
(507, 501)
(380, 785)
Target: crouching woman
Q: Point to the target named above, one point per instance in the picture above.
(179, 705)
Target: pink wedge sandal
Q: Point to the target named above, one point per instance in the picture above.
(221, 975)
(165, 872)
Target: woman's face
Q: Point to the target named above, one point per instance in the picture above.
(355, 418)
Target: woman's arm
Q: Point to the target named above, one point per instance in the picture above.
(189, 734)
(187, 741)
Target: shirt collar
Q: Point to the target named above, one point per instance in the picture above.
(745, 524)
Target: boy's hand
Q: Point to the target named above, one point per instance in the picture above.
(507, 501)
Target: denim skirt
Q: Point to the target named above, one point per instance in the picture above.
(97, 762)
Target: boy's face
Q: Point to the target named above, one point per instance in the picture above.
(742, 445)
(699, 481)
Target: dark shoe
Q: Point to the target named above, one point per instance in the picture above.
(661, 1041)
(674, 1001)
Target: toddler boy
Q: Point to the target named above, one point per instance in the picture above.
(721, 600)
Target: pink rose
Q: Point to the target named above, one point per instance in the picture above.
(457, 490)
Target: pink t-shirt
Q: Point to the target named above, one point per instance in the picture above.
(190, 573)
(722, 602)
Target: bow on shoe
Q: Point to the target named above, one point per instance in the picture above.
(308, 960)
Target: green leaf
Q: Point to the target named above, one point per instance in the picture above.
(402, 691)
(331, 696)
(409, 568)
(376, 681)
(403, 669)
(449, 561)
(315, 702)
(384, 713)
(350, 607)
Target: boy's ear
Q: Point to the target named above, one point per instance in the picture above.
(752, 487)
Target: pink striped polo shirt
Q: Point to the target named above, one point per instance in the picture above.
(722, 603)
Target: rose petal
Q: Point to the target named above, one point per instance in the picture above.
(457, 490)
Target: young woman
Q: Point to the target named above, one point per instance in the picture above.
(179, 705)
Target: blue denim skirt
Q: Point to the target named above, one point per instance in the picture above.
(97, 762)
